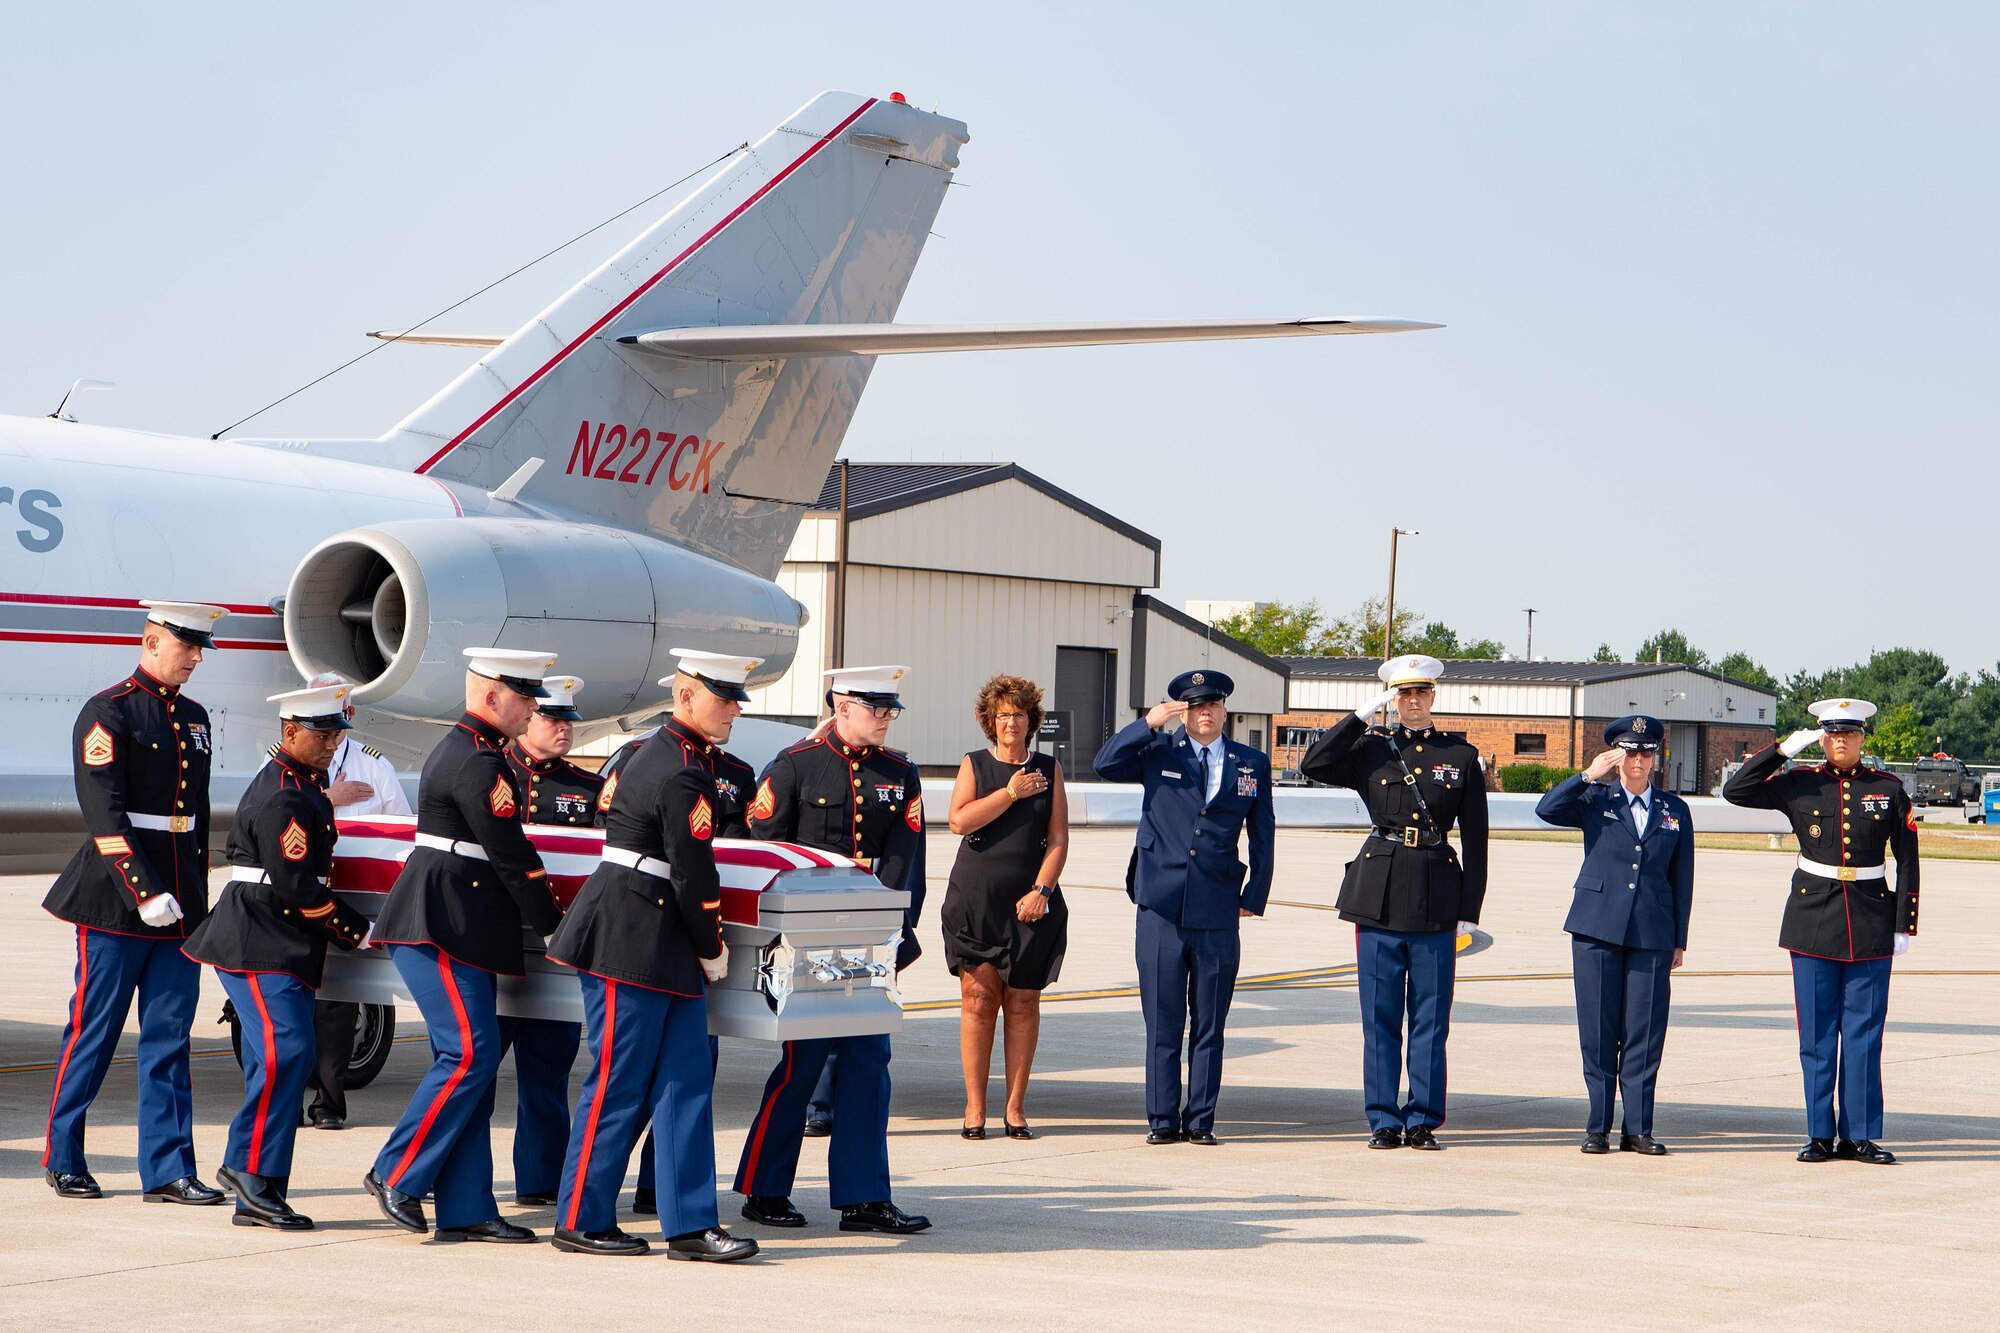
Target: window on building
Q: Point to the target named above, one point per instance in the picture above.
(1531, 743)
(1760, 715)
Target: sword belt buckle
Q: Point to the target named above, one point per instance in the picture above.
(1410, 836)
(180, 823)
(1847, 873)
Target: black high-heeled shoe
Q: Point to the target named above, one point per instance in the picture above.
(1020, 1131)
(972, 1131)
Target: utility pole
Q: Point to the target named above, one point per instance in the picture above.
(1389, 611)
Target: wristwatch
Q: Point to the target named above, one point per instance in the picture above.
(1046, 890)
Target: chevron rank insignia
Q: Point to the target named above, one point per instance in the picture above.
(97, 746)
(913, 814)
(501, 798)
(292, 842)
(604, 797)
(701, 819)
(766, 803)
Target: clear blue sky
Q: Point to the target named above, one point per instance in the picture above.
(1712, 271)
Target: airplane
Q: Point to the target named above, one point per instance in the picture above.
(621, 474)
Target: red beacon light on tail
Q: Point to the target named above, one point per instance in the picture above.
(898, 97)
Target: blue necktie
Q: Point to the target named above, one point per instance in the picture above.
(1201, 760)
(1638, 813)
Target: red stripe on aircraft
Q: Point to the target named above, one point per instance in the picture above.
(38, 636)
(645, 287)
(123, 603)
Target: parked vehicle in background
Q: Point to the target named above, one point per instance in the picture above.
(1988, 809)
(1941, 780)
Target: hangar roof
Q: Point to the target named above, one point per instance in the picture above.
(1477, 669)
(881, 488)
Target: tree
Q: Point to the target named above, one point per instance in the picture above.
(1279, 629)
(1359, 632)
(1743, 667)
(1604, 654)
(1441, 640)
(1889, 677)
(1900, 733)
(1670, 645)
(1972, 729)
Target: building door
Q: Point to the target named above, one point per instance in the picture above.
(1083, 691)
(1684, 758)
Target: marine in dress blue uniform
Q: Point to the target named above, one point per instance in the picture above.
(1407, 892)
(141, 752)
(453, 923)
(1843, 922)
(565, 796)
(1204, 792)
(840, 791)
(645, 935)
(266, 938)
(1628, 923)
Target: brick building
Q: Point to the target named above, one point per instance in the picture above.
(1549, 712)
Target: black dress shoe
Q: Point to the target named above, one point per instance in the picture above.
(1863, 1150)
(1206, 1138)
(497, 1230)
(818, 1127)
(536, 1199)
(406, 1211)
(974, 1132)
(644, 1201)
(1020, 1131)
(613, 1241)
(1644, 1144)
(326, 1120)
(772, 1210)
(1386, 1138)
(185, 1190)
(1817, 1150)
(260, 1203)
(714, 1245)
(1159, 1136)
(1594, 1144)
(73, 1184)
(1421, 1137)
(882, 1216)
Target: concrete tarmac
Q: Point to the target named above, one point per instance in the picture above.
(1290, 1223)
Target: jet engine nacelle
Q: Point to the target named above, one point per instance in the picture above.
(392, 607)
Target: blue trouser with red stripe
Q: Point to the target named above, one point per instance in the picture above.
(110, 969)
(1842, 1008)
(443, 1144)
(857, 1158)
(648, 1063)
(645, 1182)
(1398, 972)
(278, 1050)
(544, 1050)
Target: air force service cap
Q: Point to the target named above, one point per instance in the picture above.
(1842, 714)
(873, 685)
(561, 703)
(517, 668)
(316, 708)
(1200, 687)
(725, 676)
(190, 622)
(1636, 732)
(1410, 671)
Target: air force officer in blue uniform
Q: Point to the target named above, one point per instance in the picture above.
(1202, 791)
(1628, 923)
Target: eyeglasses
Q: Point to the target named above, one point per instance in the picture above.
(882, 712)
(1010, 717)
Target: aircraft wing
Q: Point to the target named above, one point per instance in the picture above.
(759, 342)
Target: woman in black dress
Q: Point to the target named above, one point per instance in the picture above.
(1005, 923)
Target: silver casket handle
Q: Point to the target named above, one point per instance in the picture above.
(849, 968)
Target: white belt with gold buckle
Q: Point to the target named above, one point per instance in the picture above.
(639, 861)
(456, 848)
(163, 823)
(1845, 873)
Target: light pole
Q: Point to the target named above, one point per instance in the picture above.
(1389, 612)
(1530, 655)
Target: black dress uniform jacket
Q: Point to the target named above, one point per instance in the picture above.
(859, 801)
(470, 909)
(1853, 818)
(1392, 885)
(558, 791)
(734, 781)
(143, 748)
(284, 827)
(628, 924)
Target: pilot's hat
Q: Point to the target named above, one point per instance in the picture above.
(1636, 732)
(1200, 687)
(561, 703)
(873, 685)
(1410, 671)
(724, 675)
(517, 668)
(1842, 714)
(317, 708)
(190, 622)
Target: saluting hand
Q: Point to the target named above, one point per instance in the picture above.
(1376, 704)
(1602, 767)
(1163, 712)
(1799, 740)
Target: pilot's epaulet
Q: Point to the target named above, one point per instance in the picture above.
(272, 749)
(370, 751)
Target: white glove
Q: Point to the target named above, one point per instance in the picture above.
(716, 968)
(1798, 741)
(368, 940)
(160, 910)
(1902, 945)
(1382, 700)
(1465, 927)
